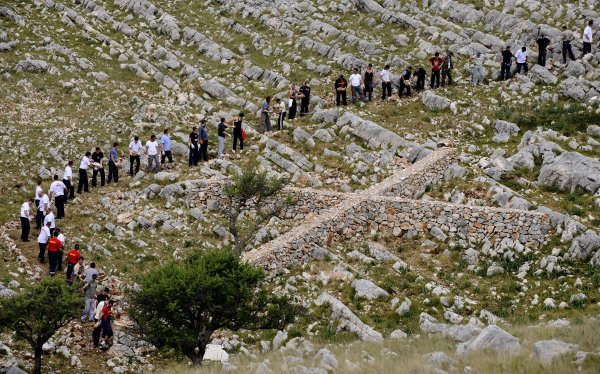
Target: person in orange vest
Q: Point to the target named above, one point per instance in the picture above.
(54, 246)
(72, 259)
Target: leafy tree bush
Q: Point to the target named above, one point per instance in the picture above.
(252, 189)
(180, 305)
(38, 312)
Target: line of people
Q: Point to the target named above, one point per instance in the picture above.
(285, 109)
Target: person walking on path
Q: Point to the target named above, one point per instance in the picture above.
(58, 191)
(421, 74)
(152, 151)
(61, 237)
(522, 57)
(43, 238)
(265, 121)
(89, 291)
(221, 137)
(204, 140)
(386, 82)
(135, 149)
(293, 95)
(543, 42)
(43, 206)
(101, 301)
(49, 218)
(39, 191)
(193, 143)
(588, 35)
(436, 66)
(356, 86)
(25, 219)
(405, 82)
(83, 177)
(98, 168)
(447, 68)
(113, 162)
(237, 131)
(305, 101)
(567, 37)
(68, 181)
(507, 58)
(279, 111)
(165, 142)
(107, 332)
(478, 61)
(340, 86)
(368, 78)
(72, 259)
(54, 246)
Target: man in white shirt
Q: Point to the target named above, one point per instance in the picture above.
(386, 82)
(43, 238)
(60, 236)
(83, 177)
(58, 190)
(41, 209)
(356, 86)
(68, 181)
(135, 148)
(522, 57)
(25, 218)
(50, 220)
(152, 151)
(588, 34)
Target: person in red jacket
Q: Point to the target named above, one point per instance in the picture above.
(72, 258)
(436, 67)
(54, 246)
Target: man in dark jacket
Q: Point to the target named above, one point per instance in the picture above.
(507, 57)
(543, 42)
(341, 85)
(447, 67)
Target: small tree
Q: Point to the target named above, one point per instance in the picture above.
(38, 312)
(252, 190)
(180, 305)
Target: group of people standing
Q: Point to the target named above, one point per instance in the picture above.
(283, 108)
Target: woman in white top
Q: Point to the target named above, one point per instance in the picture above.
(68, 181)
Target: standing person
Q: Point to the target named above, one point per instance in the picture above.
(340, 90)
(368, 80)
(152, 150)
(135, 147)
(89, 290)
(62, 239)
(105, 318)
(507, 57)
(356, 86)
(293, 95)
(421, 74)
(221, 137)
(90, 273)
(38, 195)
(101, 301)
(305, 101)
(68, 181)
(165, 142)
(43, 206)
(265, 121)
(588, 34)
(567, 37)
(436, 66)
(72, 259)
(447, 67)
(83, 177)
(98, 168)
(543, 42)
(43, 238)
(79, 268)
(113, 161)
(58, 190)
(25, 218)
(49, 219)
(279, 111)
(204, 140)
(54, 246)
(386, 82)
(237, 131)
(405, 82)
(522, 57)
(193, 160)
(478, 61)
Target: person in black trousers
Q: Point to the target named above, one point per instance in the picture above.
(305, 91)
(25, 218)
(368, 79)
(341, 85)
(507, 58)
(421, 74)
(113, 161)
(68, 181)
(135, 148)
(83, 177)
(237, 131)
(193, 161)
(543, 42)
(204, 141)
(97, 158)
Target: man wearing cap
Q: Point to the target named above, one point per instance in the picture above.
(89, 290)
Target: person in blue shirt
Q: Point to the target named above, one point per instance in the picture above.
(203, 134)
(165, 140)
(113, 161)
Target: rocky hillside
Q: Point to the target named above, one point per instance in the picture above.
(453, 230)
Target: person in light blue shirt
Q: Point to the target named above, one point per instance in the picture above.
(165, 140)
(113, 161)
